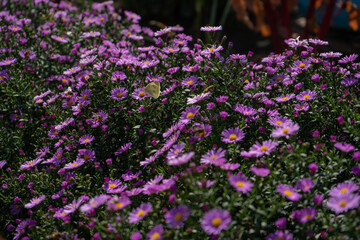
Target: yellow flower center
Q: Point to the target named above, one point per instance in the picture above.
(64, 80)
(178, 217)
(285, 130)
(85, 97)
(306, 96)
(216, 222)
(190, 68)
(211, 49)
(15, 29)
(190, 115)
(240, 184)
(141, 94)
(155, 235)
(112, 185)
(58, 156)
(119, 95)
(86, 77)
(170, 50)
(279, 79)
(264, 148)
(344, 190)
(288, 193)
(74, 164)
(70, 102)
(176, 152)
(119, 205)
(302, 65)
(232, 137)
(140, 213)
(343, 203)
(31, 163)
(285, 98)
(279, 122)
(102, 19)
(308, 217)
(86, 140)
(189, 82)
(279, 238)
(129, 33)
(86, 157)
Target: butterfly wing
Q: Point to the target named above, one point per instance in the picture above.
(153, 89)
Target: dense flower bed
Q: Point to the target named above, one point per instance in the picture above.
(230, 149)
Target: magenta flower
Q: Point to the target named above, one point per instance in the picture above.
(7, 61)
(306, 95)
(75, 164)
(232, 135)
(176, 150)
(278, 121)
(344, 188)
(118, 203)
(35, 201)
(244, 110)
(216, 220)
(176, 216)
(305, 184)
(94, 203)
(155, 233)
(343, 203)
(59, 39)
(304, 106)
(285, 98)
(118, 93)
(304, 215)
(344, 147)
(240, 183)
(139, 94)
(264, 148)
(286, 130)
(216, 157)
(72, 207)
(283, 235)
(29, 164)
(86, 154)
(139, 213)
(288, 192)
(86, 139)
(260, 171)
(189, 114)
(181, 160)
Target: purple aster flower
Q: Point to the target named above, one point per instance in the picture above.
(27, 54)
(86, 154)
(189, 81)
(285, 98)
(211, 28)
(189, 114)
(139, 94)
(306, 95)
(118, 203)
(216, 157)
(94, 203)
(343, 203)
(240, 183)
(201, 131)
(139, 213)
(118, 76)
(305, 184)
(344, 188)
(7, 61)
(347, 82)
(302, 65)
(232, 135)
(91, 34)
(86, 139)
(330, 54)
(278, 121)
(176, 216)
(2, 163)
(230, 166)
(35, 201)
(15, 28)
(348, 59)
(98, 118)
(198, 98)
(123, 149)
(176, 150)
(171, 49)
(216, 220)
(77, 163)
(181, 160)
(288, 192)
(344, 147)
(286, 130)
(118, 93)
(59, 39)
(155, 233)
(264, 148)
(244, 110)
(304, 106)
(114, 186)
(304, 215)
(283, 235)
(260, 171)
(29, 164)
(72, 207)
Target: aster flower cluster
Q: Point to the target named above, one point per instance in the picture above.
(230, 149)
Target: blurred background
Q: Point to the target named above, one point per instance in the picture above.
(259, 26)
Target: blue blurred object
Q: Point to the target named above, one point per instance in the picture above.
(341, 20)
